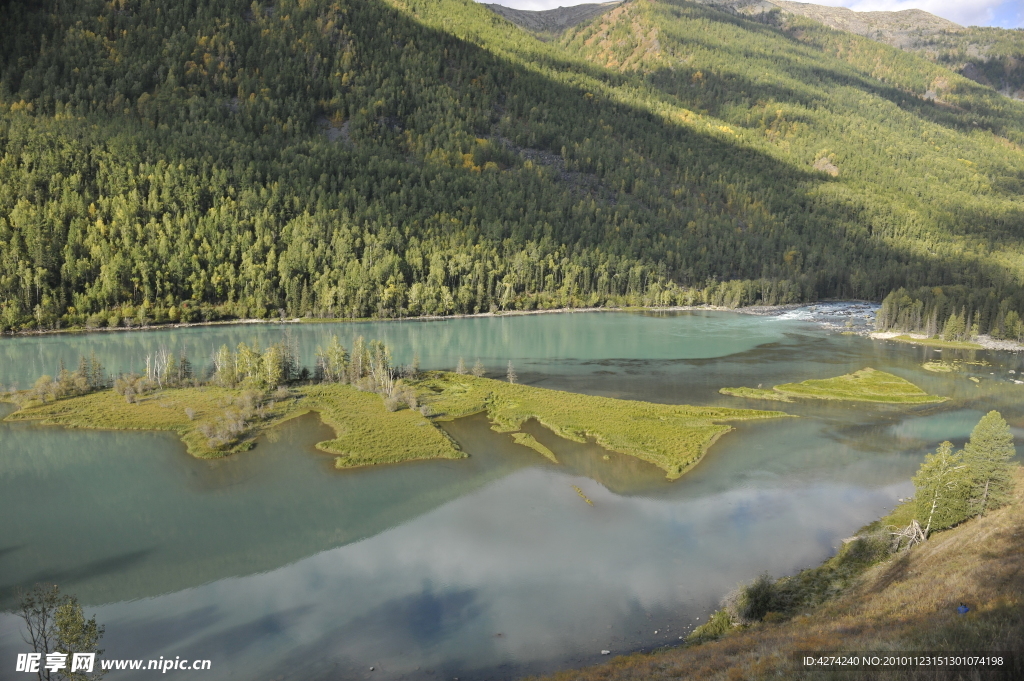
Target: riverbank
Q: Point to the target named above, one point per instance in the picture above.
(907, 602)
(982, 342)
(760, 310)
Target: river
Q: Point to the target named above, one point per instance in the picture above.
(275, 566)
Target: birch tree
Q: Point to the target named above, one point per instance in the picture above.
(942, 487)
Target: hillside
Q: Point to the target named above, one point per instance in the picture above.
(214, 159)
(990, 56)
(551, 22)
(907, 603)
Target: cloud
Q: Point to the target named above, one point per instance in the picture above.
(1004, 13)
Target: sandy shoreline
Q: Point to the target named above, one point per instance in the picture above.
(985, 341)
(763, 310)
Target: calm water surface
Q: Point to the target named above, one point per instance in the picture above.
(275, 566)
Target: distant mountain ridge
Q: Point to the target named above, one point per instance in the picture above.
(553, 21)
(888, 27)
(990, 56)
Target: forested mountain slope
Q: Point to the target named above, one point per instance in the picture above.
(987, 55)
(551, 22)
(218, 158)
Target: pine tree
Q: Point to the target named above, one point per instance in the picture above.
(511, 374)
(987, 457)
(942, 488)
(955, 328)
(478, 369)
(97, 373)
(460, 368)
(184, 368)
(170, 373)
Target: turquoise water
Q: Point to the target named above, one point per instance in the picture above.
(275, 566)
(531, 341)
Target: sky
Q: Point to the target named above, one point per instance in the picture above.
(1001, 13)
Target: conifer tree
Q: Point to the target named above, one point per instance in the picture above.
(987, 457)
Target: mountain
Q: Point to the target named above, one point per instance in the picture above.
(346, 158)
(991, 56)
(899, 29)
(549, 23)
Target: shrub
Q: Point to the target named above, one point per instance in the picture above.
(718, 625)
(760, 598)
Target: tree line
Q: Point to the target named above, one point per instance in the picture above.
(954, 313)
(164, 162)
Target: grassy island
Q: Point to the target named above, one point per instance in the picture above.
(380, 413)
(527, 440)
(366, 432)
(757, 394)
(937, 343)
(866, 385)
(672, 437)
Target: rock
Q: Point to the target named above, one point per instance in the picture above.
(824, 165)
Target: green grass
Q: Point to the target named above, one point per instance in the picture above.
(866, 385)
(948, 365)
(756, 394)
(717, 626)
(939, 367)
(938, 343)
(672, 437)
(366, 432)
(530, 441)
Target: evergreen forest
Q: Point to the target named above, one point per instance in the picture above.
(218, 159)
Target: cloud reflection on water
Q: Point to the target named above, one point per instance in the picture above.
(491, 578)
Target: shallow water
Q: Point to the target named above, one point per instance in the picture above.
(275, 566)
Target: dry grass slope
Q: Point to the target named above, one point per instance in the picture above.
(905, 604)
